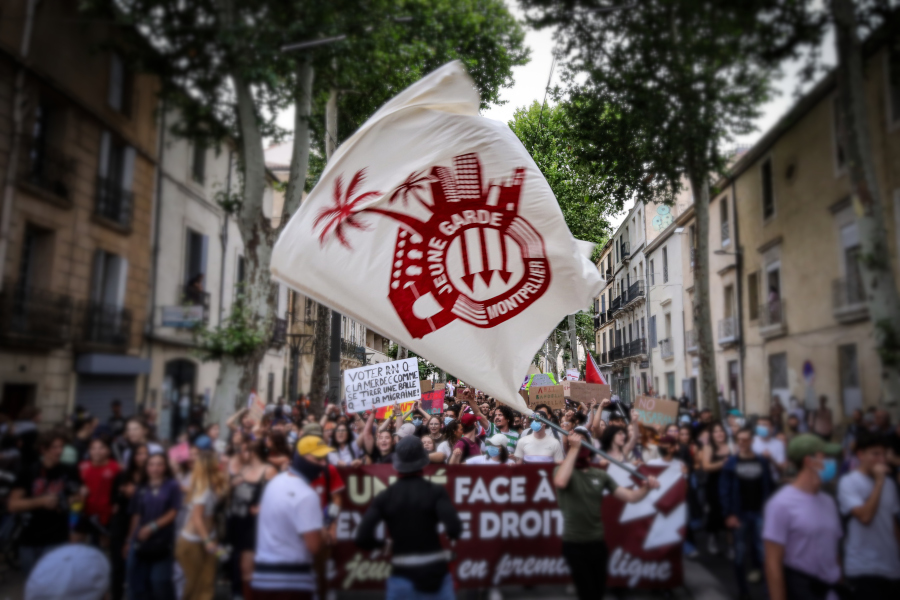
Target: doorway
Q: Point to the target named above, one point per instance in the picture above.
(178, 393)
(17, 396)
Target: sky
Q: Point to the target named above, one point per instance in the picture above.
(530, 83)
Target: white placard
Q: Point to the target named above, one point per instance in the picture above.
(383, 384)
(572, 374)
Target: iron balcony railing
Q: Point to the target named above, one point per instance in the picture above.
(847, 293)
(690, 341)
(617, 353)
(353, 351)
(47, 168)
(603, 357)
(626, 250)
(615, 305)
(728, 330)
(113, 202)
(603, 318)
(32, 317)
(637, 347)
(105, 324)
(596, 321)
(665, 348)
(771, 314)
(635, 291)
(279, 333)
(608, 276)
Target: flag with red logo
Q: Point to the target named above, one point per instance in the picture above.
(434, 226)
(592, 372)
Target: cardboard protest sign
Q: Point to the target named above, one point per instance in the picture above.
(524, 393)
(551, 395)
(383, 384)
(425, 385)
(432, 403)
(257, 406)
(440, 386)
(656, 411)
(581, 391)
(540, 379)
(573, 374)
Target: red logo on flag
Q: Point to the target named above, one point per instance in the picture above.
(474, 258)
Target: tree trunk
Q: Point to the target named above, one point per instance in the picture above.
(402, 352)
(877, 276)
(318, 385)
(573, 343)
(702, 316)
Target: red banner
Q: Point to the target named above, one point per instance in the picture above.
(512, 528)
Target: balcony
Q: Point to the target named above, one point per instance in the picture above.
(603, 318)
(690, 342)
(728, 331)
(626, 251)
(105, 325)
(193, 311)
(113, 203)
(849, 300)
(665, 348)
(279, 333)
(604, 356)
(608, 276)
(617, 353)
(637, 347)
(34, 318)
(47, 169)
(353, 351)
(635, 292)
(772, 322)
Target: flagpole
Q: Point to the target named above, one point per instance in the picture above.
(539, 417)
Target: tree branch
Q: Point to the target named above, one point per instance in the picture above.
(300, 155)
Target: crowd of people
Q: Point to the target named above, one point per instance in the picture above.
(258, 506)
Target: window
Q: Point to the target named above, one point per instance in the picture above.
(603, 338)
(839, 154)
(693, 241)
(753, 295)
(109, 278)
(239, 276)
(668, 322)
(114, 179)
(768, 192)
(120, 85)
(665, 257)
(670, 384)
(195, 250)
(602, 303)
(643, 330)
(35, 264)
(778, 376)
(851, 252)
(270, 388)
(652, 278)
(653, 331)
(723, 218)
(198, 165)
(893, 72)
(851, 392)
(729, 301)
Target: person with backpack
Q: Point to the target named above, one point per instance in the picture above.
(467, 446)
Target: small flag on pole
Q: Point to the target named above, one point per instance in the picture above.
(592, 372)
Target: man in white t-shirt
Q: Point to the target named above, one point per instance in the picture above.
(768, 446)
(539, 447)
(288, 535)
(869, 497)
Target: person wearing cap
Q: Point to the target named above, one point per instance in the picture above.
(581, 488)
(869, 498)
(467, 446)
(496, 451)
(197, 547)
(802, 527)
(73, 572)
(746, 481)
(411, 508)
(289, 528)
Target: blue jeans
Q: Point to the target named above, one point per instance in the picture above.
(400, 588)
(750, 530)
(150, 579)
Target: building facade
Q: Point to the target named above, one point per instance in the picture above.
(77, 244)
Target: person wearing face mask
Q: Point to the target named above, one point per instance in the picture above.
(495, 452)
(767, 445)
(580, 490)
(802, 527)
(539, 446)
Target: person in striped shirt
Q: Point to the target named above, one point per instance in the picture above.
(502, 422)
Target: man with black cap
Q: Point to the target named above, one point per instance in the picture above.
(581, 489)
(412, 508)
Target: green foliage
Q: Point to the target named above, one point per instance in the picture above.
(426, 368)
(658, 89)
(239, 336)
(584, 195)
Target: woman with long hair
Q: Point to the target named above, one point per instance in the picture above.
(124, 486)
(435, 429)
(347, 452)
(154, 508)
(278, 451)
(247, 484)
(715, 453)
(452, 432)
(196, 548)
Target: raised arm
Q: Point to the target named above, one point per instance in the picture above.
(636, 495)
(564, 472)
(631, 442)
(368, 442)
(476, 410)
(233, 422)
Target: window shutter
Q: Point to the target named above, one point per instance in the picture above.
(105, 143)
(653, 331)
(128, 168)
(121, 280)
(116, 82)
(97, 281)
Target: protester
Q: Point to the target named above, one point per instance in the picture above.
(715, 455)
(43, 491)
(496, 451)
(821, 421)
(278, 450)
(135, 435)
(98, 474)
(745, 485)
(467, 446)
(802, 527)
(617, 443)
(411, 509)
(539, 447)
(289, 533)
(26, 434)
(152, 535)
(580, 493)
(328, 485)
(768, 446)
(125, 485)
(869, 498)
(347, 452)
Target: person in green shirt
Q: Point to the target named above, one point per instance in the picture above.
(580, 491)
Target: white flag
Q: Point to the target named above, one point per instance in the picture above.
(434, 226)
